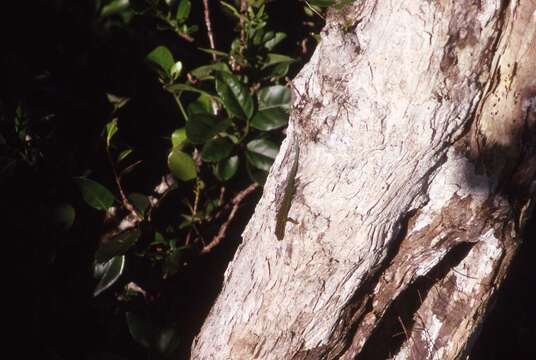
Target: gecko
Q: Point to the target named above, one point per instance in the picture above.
(285, 193)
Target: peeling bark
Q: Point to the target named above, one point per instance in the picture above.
(420, 116)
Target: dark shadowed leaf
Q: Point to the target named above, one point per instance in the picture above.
(124, 154)
(162, 57)
(279, 70)
(261, 153)
(259, 176)
(94, 194)
(321, 3)
(270, 119)
(203, 104)
(168, 340)
(111, 130)
(111, 271)
(226, 169)
(181, 165)
(274, 102)
(216, 149)
(141, 329)
(215, 52)
(274, 41)
(202, 127)
(178, 137)
(63, 216)
(235, 95)
(117, 101)
(140, 202)
(205, 72)
(183, 11)
(274, 59)
(172, 262)
(178, 88)
(117, 245)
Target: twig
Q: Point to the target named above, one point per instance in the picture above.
(124, 200)
(408, 338)
(129, 168)
(162, 189)
(314, 10)
(223, 228)
(186, 37)
(243, 9)
(209, 28)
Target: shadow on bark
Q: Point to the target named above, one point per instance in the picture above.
(389, 335)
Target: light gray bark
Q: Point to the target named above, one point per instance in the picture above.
(415, 177)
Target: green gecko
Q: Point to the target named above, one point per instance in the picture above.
(285, 193)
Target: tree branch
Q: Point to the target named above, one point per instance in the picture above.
(223, 228)
(209, 28)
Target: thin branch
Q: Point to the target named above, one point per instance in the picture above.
(162, 189)
(186, 37)
(408, 338)
(243, 10)
(223, 228)
(129, 169)
(209, 28)
(124, 200)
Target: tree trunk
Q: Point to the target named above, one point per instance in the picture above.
(413, 132)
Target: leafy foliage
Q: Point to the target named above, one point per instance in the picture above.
(125, 140)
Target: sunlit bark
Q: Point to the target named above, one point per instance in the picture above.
(415, 123)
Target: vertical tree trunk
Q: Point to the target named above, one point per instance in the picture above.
(414, 145)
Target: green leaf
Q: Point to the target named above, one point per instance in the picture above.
(168, 340)
(227, 168)
(203, 104)
(63, 216)
(321, 3)
(158, 239)
(162, 57)
(111, 130)
(141, 329)
(111, 271)
(205, 72)
(124, 154)
(214, 52)
(259, 176)
(117, 101)
(274, 103)
(235, 96)
(178, 138)
(277, 96)
(273, 59)
(270, 119)
(261, 153)
(181, 165)
(140, 201)
(273, 42)
(230, 9)
(171, 263)
(280, 70)
(114, 7)
(94, 194)
(216, 150)
(178, 88)
(176, 70)
(202, 127)
(183, 11)
(117, 245)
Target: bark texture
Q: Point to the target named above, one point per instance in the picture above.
(415, 126)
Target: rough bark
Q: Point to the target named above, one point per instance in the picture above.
(415, 126)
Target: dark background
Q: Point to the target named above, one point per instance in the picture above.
(57, 59)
